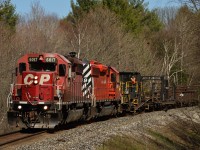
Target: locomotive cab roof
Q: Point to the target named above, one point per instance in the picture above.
(44, 57)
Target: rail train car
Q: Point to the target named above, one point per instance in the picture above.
(150, 93)
(131, 91)
(52, 89)
(146, 93)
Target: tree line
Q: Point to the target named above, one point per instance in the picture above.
(121, 33)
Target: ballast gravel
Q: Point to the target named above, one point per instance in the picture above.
(90, 136)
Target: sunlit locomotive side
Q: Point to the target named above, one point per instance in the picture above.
(52, 89)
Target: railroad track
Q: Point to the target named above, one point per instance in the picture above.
(10, 138)
(16, 136)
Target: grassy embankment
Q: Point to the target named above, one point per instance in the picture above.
(178, 135)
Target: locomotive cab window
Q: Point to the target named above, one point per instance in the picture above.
(22, 67)
(79, 69)
(35, 66)
(113, 77)
(40, 66)
(62, 70)
(125, 77)
(16, 71)
(49, 66)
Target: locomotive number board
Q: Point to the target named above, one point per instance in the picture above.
(50, 60)
(47, 59)
(33, 59)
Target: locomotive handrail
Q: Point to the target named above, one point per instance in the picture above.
(59, 95)
(29, 96)
(93, 97)
(9, 95)
(42, 84)
(39, 84)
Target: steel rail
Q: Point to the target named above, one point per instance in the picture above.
(16, 136)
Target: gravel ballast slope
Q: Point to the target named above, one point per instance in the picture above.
(93, 135)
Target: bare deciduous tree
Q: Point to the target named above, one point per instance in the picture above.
(170, 59)
(167, 15)
(99, 35)
(7, 57)
(39, 31)
(181, 32)
(194, 4)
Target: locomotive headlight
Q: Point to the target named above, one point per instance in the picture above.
(36, 77)
(36, 82)
(45, 107)
(19, 107)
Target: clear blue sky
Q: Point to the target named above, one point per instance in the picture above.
(62, 7)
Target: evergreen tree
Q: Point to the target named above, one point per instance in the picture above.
(86, 5)
(7, 14)
(80, 8)
(133, 14)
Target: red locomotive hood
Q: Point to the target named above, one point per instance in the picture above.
(37, 86)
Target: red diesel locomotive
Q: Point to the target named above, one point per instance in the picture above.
(52, 89)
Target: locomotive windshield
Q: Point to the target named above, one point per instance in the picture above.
(125, 77)
(41, 66)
